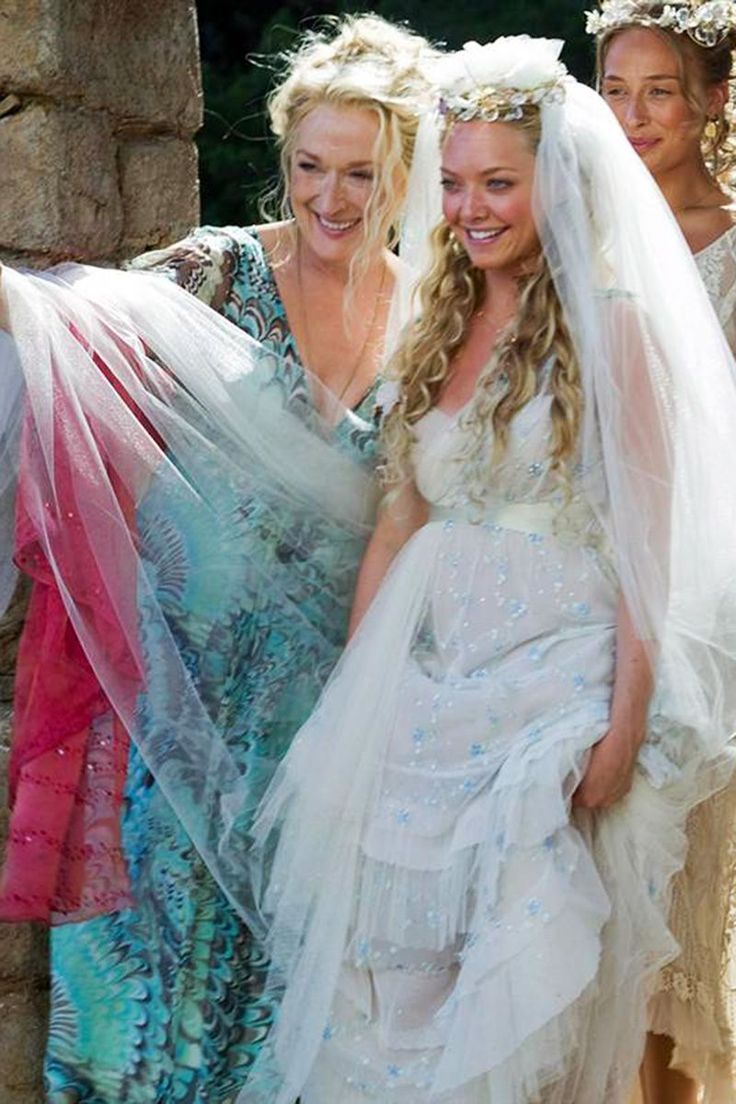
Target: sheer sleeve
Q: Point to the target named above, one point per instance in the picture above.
(633, 428)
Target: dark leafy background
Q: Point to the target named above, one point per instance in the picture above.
(238, 40)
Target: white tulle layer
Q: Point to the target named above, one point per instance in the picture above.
(444, 928)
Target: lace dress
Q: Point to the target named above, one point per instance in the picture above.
(447, 931)
(162, 1003)
(697, 1004)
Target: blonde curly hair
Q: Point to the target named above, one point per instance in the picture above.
(701, 67)
(366, 62)
(449, 296)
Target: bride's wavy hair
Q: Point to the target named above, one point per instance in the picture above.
(701, 67)
(449, 296)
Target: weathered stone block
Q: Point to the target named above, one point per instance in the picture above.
(158, 181)
(30, 44)
(59, 186)
(5, 717)
(105, 54)
(24, 957)
(11, 624)
(24, 1096)
(138, 60)
(23, 1020)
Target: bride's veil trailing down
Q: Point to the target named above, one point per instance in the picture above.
(657, 438)
(11, 404)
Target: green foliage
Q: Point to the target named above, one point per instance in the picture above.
(239, 49)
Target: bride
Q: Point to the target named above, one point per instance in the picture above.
(475, 833)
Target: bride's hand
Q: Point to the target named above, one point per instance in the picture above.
(610, 770)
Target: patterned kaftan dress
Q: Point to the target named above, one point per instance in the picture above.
(697, 1002)
(161, 1004)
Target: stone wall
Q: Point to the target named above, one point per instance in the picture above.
(99, 100)
(99, 103)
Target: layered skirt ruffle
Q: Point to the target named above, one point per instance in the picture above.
(445, 926)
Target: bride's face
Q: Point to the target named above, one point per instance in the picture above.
(487, 182)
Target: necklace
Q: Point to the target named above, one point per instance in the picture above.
(305, 326)
(502, 332)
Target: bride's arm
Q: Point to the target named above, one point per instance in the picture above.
(633, 422)
(397, 522)
(610, 770)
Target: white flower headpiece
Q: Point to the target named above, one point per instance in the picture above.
(494, 82)
(707, 24)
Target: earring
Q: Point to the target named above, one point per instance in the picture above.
(711, 129)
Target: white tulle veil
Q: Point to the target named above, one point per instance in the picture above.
(658, 377)
(657, 442)
(11, 404)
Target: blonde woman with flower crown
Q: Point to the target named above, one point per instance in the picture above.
(665, 73)
(476, 831)
(157, 984)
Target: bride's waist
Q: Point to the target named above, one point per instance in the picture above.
(573, 523)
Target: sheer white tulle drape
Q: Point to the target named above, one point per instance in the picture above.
(120, 383)
(660, 399)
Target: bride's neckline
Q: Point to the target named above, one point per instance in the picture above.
(451, 415)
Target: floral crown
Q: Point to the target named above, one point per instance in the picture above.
(496, 81)
(707, 24)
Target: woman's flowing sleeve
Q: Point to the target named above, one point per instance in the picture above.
(204, 264)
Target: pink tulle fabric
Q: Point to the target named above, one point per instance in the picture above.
(64, 859)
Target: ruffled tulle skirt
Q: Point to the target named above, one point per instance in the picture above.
(443, 926)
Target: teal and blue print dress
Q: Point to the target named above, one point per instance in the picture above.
(161, 1004)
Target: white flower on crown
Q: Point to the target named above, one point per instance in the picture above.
(518, 62)
(707, 24)
(493, 81)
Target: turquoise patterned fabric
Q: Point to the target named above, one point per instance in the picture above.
(161, 1004)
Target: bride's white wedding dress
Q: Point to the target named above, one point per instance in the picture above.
(446, 928)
